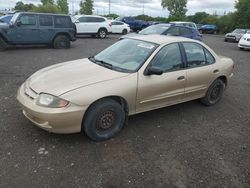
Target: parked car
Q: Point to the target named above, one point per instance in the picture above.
(5, 19)
(187, 24)
(244, 42)
(92, 25)
(137, 74)
(135, 25)
(36, 28)
(209, 29)
(120, 27)
(199, 26)
(170, 29)
(235, 36)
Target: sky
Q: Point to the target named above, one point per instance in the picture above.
(136, 7)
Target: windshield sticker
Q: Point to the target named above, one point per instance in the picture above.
(148, 46)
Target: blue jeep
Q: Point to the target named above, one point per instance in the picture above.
(36, 28)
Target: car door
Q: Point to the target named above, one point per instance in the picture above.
(46, 28)
(27, 29)
(155, 91)
(201, 70)
(186, 32)
(173, 31)
(82, 25)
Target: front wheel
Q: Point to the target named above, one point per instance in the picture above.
(3, 45)
(104, 120)
(61, 42)
(214, 93)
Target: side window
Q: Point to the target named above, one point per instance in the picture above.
(83, 19)
(209, 57)
(168, 58)
(45, 20)
(174, 31)
(62, 22)
(27, 20)
(195, 54)
(185, 31)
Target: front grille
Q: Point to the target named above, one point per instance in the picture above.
(248, 40)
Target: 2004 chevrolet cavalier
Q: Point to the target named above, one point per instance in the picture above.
(134, 75)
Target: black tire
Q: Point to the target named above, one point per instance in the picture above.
(104, 120)
(225, 40)
(214, 93)
(241, 48)
(124, 31)
(61, 42)
(3, 44)
(102, 33)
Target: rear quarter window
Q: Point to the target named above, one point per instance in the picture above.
(45, 20)
(62, 22)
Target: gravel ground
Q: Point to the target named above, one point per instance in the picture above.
(186, 145)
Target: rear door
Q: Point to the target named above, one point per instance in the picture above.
(46, 28)
(186, 32)
(155, 91)
(27, 30)
(201, 70)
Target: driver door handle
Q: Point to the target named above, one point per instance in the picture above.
(181, 78)
(216, 71)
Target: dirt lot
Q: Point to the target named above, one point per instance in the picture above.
(186, 145)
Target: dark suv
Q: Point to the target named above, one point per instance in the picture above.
(35, 28)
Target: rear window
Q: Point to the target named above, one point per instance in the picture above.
(45, 20)
(62, 22)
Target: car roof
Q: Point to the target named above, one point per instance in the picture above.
(42, 13)
(160, 39)
(94, 16)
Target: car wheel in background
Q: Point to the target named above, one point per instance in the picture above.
(103, 120)
(241, 48)
(124, 31)
(61, 42)
(214, 93)
(3, 44)
(102, 33)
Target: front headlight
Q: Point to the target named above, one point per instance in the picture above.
(51, 101)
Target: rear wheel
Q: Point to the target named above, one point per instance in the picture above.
(124, 31)
(102, 33)
(61, 42)
(214, 93)
(104, 119)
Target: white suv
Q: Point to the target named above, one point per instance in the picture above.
(92, 25)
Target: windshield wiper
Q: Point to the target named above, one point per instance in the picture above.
(101, 62)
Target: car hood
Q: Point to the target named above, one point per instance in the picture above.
(234, 34)
(65, 77)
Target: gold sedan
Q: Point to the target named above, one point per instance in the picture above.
(136, 74)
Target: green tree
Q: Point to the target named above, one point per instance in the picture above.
(198, 17)
(176, 8)
(48, 8)
(45, 2)
(20, 6)
(63, 4)
(243, 13)
(86, 7)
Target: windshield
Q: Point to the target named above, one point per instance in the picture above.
(154, 29)
(126, 55)
(248, 32)
(240, 31)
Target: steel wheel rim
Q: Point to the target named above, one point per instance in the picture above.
(106, 120)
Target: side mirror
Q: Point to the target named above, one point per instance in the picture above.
(153, 71)
(77, 21)
(18, 23)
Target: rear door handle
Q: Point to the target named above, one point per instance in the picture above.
(216, 71)
(181, 78)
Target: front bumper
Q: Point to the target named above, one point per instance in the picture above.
(244, 44)
(57, 120)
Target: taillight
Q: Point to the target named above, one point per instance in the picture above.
(110, 24)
